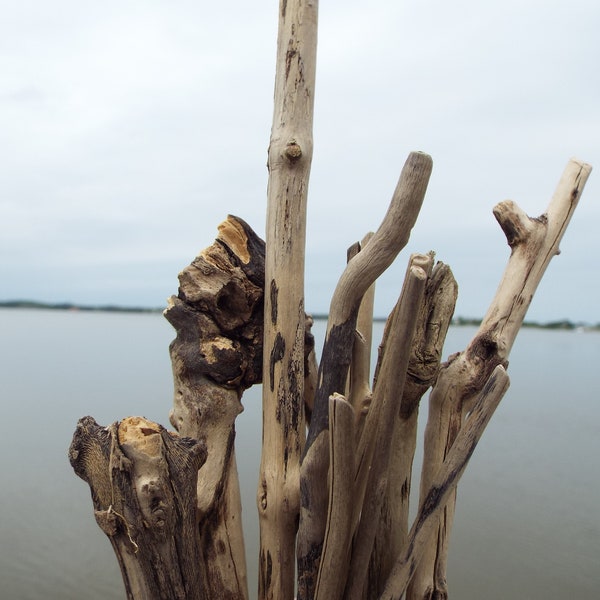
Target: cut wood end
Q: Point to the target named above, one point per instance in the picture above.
(141, 434)
(233, 235)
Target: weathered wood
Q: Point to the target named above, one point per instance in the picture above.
(431, 328)
(143, 484)
(444, 483)
(217, 353)
(360, 367)
(338, 535)
(289, 161)
(375, 443)
(533, 242)
(358, 276)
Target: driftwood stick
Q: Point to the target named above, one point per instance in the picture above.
(533, 242)
(373, 453)
(444, 483)
(358, 276)
(289, 161)
(216, 355)
(338, 535)
(143, 484)
(431, 329)
(360, 367)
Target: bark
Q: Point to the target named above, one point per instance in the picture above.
(444, 483)
(533, 242)
(143, 484)
(289, 161)
(358, 276)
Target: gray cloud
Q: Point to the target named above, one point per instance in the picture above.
(130, 131)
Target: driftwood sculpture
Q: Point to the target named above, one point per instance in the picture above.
(338, 445)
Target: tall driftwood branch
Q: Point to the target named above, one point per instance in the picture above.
(143, 484)
(358, 276)
(444, 483)
(432, 326)
(289, 161)
(216, 355)
(375, 442)
(533, 242)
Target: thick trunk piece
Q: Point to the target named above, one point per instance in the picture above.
(143, 484)
(216, 355)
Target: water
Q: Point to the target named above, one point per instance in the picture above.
(526, 523)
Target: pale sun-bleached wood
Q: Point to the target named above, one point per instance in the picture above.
(431, 329)
(289, 160)
(338, 535)
(360, 273)
(533, 242)
(360, 367)
(444, 482)
(375, 441)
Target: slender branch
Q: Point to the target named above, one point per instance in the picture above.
(534, 242)
(444, 483)
(360, 367)
(374, 448)
(431, 328)
(358, 276)
(336, 546)
(289, 160)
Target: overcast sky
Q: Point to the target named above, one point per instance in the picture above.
(129, 130)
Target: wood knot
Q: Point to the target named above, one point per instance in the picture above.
(293, 152)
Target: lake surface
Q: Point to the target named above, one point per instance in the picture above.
(527, 523)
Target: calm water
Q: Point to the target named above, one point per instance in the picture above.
(527, 522)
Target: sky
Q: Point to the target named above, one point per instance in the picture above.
(129, 130)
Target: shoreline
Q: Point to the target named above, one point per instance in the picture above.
(562, 324)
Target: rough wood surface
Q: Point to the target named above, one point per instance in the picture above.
(338, 535)
(359, 275)
(432, 326)
(444, 483)
(373, 454)
(289, 161)
(533, 242)
(217, 353)
(143, 485)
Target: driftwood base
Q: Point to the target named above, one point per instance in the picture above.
(143, 484)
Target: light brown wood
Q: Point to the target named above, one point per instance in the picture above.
(289, 161)
(360, 367)
(533, 242)
(432, 325)
(217, 353)
(338, 535)
(375, 443)
(360, 273)
(143, 484)
(444, 483)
